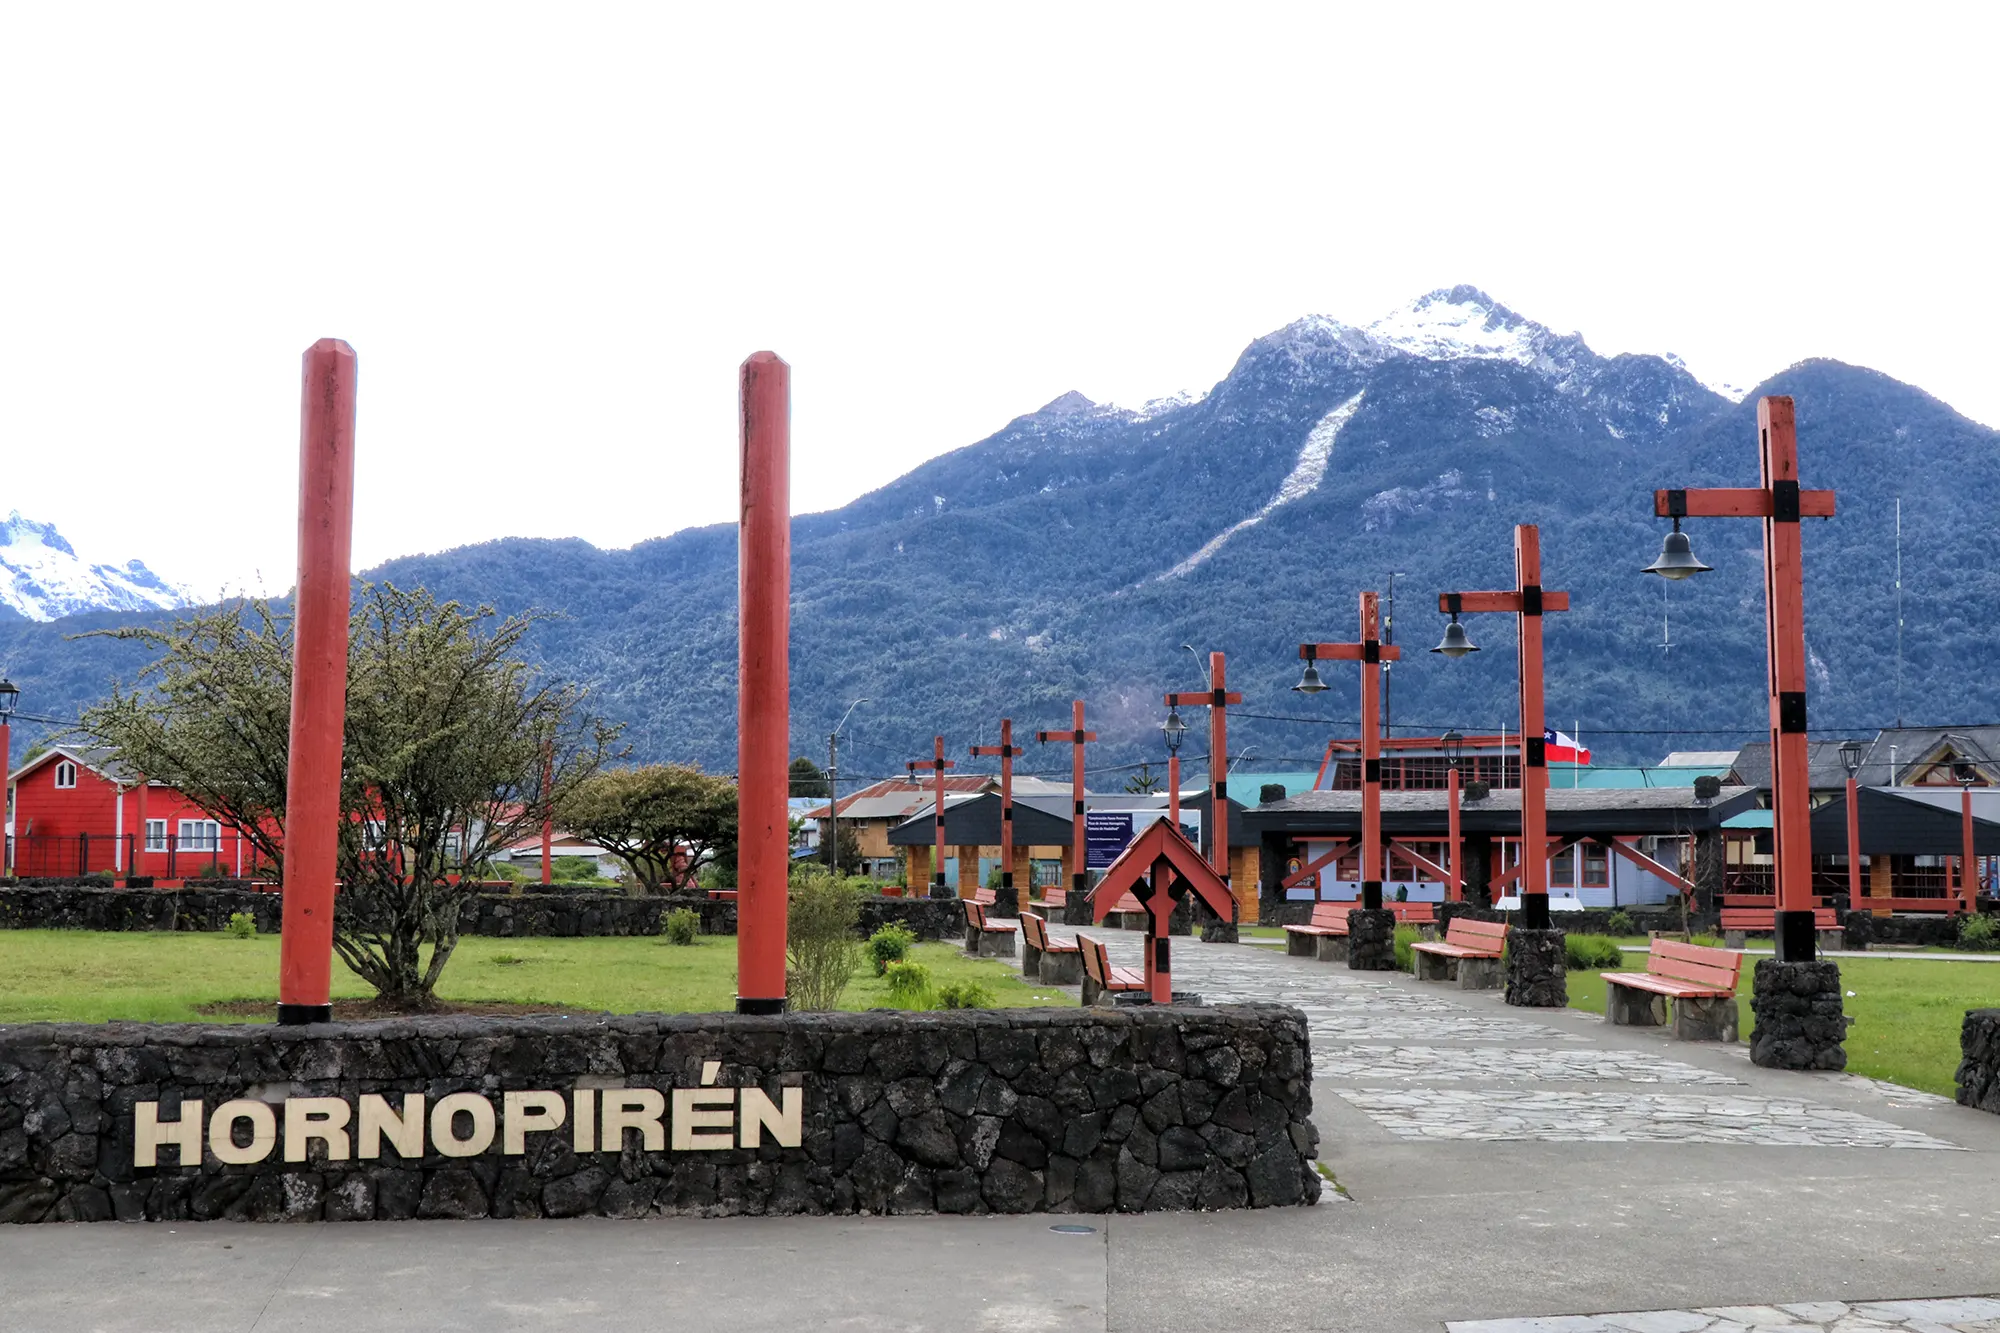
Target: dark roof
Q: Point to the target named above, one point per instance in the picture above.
(1915, 749)
(1908, 821)
(1585, 810)
(975, 822)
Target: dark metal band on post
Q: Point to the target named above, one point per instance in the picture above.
(1792, 711)
(1797, 937)
(298, 1015)
(746, 1004)
(1531, 599)
(1535, 751)
(1371, 895)
(1784, 502)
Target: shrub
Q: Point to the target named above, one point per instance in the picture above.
(964, 995)
(681, 925)
(1978, 932)
(1405, 937)
(1592, 953)
(821, 951)
(891, 944)
(1621, 923)
(909, 985)
(242, 926)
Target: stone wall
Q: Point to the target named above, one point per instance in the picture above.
(1022, 1110)
(1979, 1064)
(562, 913)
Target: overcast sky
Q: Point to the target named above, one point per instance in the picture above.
(552, 233)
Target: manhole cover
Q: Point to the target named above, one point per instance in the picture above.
(1072, 1229)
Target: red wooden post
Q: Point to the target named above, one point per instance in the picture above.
(1079, 865)
(1780, 502)
(7, 797)
(937, 764)
(1371, 652)
(548, 813)
(1968, 862)
(1174, 788)
(1007, 751)
(1528, 601)
(1216, 698)
(1853, 847)
(319, 682)
(764, 580)
(1455, 886)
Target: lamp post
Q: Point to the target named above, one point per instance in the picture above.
(1850, 759)
(833, 792)
(1079, 864)
(1528, 601)
(1217, 698)
(1454, 747)
(1371, 652)
(1006, 751)
(1781, 504)
(10, 695)
(1966, 775)
(937, 764)
(1175, 731)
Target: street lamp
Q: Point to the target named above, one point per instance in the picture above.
(1850, 759)
(833, 792)
(1174, 731)
(10, 695)
(1964, 772)
(1454, 747)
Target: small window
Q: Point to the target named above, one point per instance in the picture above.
(1596, 868)
(200, 835)
(156, 835)
(1562, 868)
(65, 774)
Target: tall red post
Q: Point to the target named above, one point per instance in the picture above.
(763, 710)
(1079, 865)
(548, 813)
(1174, 788)
(1968, 864)
(319, 682)
(1007, 752)
(7, 797)
(1371, 652)
(1455, 886)
(1853, 847)
(937, 764)
(1218, 765)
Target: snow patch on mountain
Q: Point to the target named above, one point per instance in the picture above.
(42, 577)
(1301, 481)
(1463, 323)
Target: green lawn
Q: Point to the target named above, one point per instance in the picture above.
(82, 976)
(1907, 1013)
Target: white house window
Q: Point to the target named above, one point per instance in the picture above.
(65, 774)
(200, 835)
(156, 835)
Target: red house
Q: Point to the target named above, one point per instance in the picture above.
(78, 811)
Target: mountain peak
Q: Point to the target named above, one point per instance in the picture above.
(1454, 323)
(42, 577)
(1068, 405)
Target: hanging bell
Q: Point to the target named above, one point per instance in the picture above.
(1310, 683)
(1454, 643)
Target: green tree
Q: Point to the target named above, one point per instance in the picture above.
(808, 779)
(666, 821)
(1143, 782)
(445, 732)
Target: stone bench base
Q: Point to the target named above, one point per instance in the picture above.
(993, 944)
(1469, 973)
(1330, 948)
(1302, 946)
(1695, 1018)
(1053, 969)
(1128, 921)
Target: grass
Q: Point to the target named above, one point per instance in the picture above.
(1907, 1013)
(91, 977)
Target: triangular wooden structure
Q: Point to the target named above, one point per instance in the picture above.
(1148, 869)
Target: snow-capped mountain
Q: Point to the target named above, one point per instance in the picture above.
(42, 577)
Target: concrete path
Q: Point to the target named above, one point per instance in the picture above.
(1500, 1165)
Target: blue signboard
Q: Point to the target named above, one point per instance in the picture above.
(1105, 834)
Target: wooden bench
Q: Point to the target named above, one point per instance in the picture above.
(1100, 979)
(1700, 981)
(984, 897)
(1048, 961)
(1323, 937)
(1054, 900)
(1469, 954)
(1127, 914)
(1738, 923)
(984, 938)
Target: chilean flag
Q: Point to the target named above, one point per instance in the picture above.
(1558, 748)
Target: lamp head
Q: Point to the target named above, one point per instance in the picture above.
(1174, 730)
(1850, 757)
(1676, 559)
(1454, 643)
(1454, 746)
(10, 695)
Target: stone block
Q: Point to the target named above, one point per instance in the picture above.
(1537, 969)
(1712, 1018)
(996, 943)
(1734, 939)
(1301, 946)
(1978, 1074)
(1371, 940)
(1061, 969)
(1327, 948)
(1628, 1006)
(1800, 1021)
(1479, 974)
(1434, 967)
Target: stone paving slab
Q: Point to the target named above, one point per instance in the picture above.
(1552, 1116)
(1450, 1064)
(1971, 1314)
(1330, 1028)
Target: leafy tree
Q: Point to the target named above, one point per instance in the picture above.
(849, 850)
(666, 821)
(808, 779)
(1143, 782)
(445, 733)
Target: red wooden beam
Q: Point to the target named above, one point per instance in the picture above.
(1649, 865)
(319, 682)
(1423, 863)
(1555, 847)
(1736, 502)
(1007, 752)
(763, 708)
(1217, 699)
(1317, 864)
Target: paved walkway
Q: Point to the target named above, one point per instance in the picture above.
(1500, 1171)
